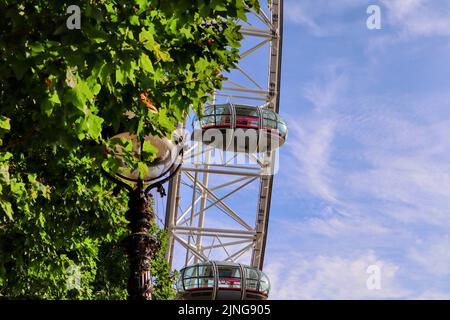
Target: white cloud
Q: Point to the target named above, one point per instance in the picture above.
(310, 142)
(402, 20)
(377, 160)
(407, 162)
(320, 17)
(418, 17)
(311, 151)
(332, 277)
(381, 167)
(297, 15)
(338, 226)
(398, 159)
(434, 295)
(433, 256)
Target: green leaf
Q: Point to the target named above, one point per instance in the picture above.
(121, 143)
(120, 76)
(101, 72)
(80, 95)
(36, 48)
(4, 174)
(7, 208)
(145, 63)
(148, 147)
(143, 4)
(32, 177)
(49, 104)
(187, 33)
(5, 155)
(94, 125)
(146, 37)
(71, 77)
(5, 123)
(41, 220)
(95, 34)
(126, 71)
(134, 20)
(143, 169)
(161, 54)
(96, 89)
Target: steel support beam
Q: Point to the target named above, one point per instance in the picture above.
(266, 184)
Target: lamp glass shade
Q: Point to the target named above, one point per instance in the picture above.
(166, 156)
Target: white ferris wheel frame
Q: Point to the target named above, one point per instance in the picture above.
(186, 227)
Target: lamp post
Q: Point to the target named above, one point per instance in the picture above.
(140, 245)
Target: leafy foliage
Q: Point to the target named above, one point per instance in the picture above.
(63, 93)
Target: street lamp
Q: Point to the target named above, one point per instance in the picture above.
(140, 245)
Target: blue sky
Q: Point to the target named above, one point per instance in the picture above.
(365, 176)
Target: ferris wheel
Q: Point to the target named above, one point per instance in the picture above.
(218, 204)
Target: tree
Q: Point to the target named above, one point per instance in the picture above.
(133, 66)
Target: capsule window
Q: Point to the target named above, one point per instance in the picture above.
(190, 278)
(190, 272)
(269, 119)
(268, 114)
(247, 117)
(229, 276)
(190, 283)
(247, 112)
(223, 120)
(179, 285)
(223, 109)
(269, 124)
(251, 279)
(264, 284)
(206, 276)
(208, 121)
(208, 111)
(282, 128)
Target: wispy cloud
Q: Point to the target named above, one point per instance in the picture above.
(311, 153)
(297, 15)
(402, 20)
(332, 277)
(380, 167)
(433, 255)
(365, 175)
(311, 141)
(418, 18)
(320, 17)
